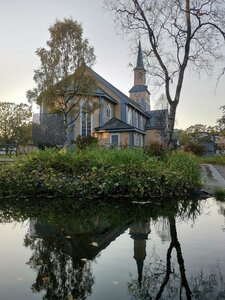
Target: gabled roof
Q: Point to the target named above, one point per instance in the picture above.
(157, 119)
(100, 92)
(115, 124)
(117, 92)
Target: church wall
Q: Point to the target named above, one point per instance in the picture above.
(139, 77)
(103, 138)
(125, 139)
(118, 111)
(152, 136)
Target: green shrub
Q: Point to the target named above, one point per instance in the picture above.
(182, 169)
(155, 149)
(195, 148)
(219, 194)
(97, 172)
(83, 142)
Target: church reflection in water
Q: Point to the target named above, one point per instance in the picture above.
(62, 258)
(139, 233)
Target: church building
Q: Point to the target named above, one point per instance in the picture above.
(120, 120)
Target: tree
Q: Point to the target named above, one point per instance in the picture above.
(62, 82)
(178, 34)
(15, 125)
(221, 121)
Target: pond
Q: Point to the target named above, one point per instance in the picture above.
(111, 251)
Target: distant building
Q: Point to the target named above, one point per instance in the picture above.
(120, 120)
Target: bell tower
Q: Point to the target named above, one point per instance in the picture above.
(139, 92)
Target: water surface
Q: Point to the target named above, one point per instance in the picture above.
(174, 251)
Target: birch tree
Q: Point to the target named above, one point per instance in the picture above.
(62, 83)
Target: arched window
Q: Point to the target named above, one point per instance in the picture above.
(85, 120)
(108, 111)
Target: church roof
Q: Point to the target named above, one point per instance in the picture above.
(157, 119)
(139, 89)
(115, 124)
(139, 64)
(117, 92)
(100, 92)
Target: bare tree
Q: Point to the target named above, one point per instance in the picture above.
(178, 34)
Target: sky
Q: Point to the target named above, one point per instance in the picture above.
(24, 28)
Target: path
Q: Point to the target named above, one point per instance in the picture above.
(213, 177)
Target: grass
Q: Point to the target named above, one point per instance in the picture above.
(219, 194)
(214, 160)
(100, 173)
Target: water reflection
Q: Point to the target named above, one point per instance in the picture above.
(56, 259)
(162, 273)
(63, 257)
(66, 247)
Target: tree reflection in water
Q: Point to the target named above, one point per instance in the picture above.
(161, 280)
(61, 272)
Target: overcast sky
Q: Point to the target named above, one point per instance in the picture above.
(24, 28)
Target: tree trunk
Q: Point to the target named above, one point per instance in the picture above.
(180, 260)
(65, 120)
(171, 122)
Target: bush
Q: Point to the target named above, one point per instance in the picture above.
(155, 149)
(102, 173)
(195, 148)
(219, 194)
(183, 169)
(83, 142)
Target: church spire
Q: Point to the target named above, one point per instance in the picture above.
(139, 92)
(140, 64)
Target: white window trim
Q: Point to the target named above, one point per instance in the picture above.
(81, 115)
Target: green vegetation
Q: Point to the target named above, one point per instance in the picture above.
(15, 124)
(219, 194)
(84, 142)
(195, 148)
(215, 160)
(155, 149)
(100, 173)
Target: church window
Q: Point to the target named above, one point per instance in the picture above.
(139, 75)
(136, 119)
(85, 121)
(140, 140)
(129, 116)
(141, 122)
(108, 111)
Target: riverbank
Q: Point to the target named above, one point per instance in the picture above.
(101, 173)
(213, 177)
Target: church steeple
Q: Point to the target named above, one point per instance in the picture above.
(139, 233)
(139, 91)
(139, 64)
